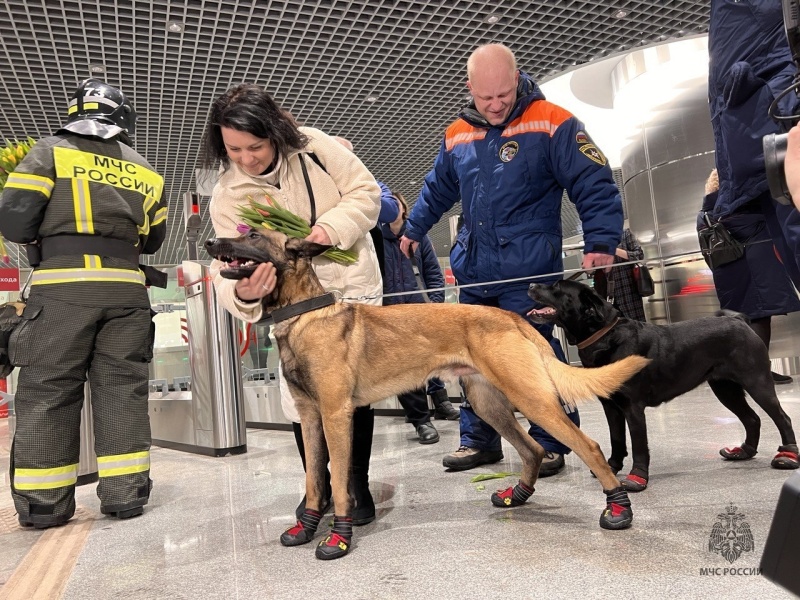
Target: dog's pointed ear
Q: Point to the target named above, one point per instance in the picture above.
(301, 248)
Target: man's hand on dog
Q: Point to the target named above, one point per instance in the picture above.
(261, 283)
(594, 260)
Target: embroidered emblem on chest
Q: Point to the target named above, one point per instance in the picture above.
(508, 151)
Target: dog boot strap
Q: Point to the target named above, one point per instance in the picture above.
(304, 530)
(618, 496)
(618, 513)
(513, 496)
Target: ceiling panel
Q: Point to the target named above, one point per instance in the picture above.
(320, 59)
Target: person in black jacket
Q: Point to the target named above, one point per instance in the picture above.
(619, 285)
(401, 274)
(90, 205)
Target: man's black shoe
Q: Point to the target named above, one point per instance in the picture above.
(781, 379)
(427, 433)
(446, 412)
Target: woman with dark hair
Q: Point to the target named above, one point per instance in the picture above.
(261, 150)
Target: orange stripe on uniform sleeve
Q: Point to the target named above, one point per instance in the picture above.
(540, 117)
(461, 132)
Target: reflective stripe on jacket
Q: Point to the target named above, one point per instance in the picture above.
(70, 184)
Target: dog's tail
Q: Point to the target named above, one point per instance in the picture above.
(578, 383)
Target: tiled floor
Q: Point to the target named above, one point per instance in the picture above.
(212, 527)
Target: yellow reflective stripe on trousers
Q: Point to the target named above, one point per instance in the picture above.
(48, 276)
(123, 464)
(34, 183)
(82, 202)
(45, 479)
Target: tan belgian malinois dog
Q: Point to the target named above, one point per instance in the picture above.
(337, 356)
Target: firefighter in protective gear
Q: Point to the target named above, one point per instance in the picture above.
(91, 205)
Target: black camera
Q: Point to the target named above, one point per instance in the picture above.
(775, 143)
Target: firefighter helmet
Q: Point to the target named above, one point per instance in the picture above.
(100, 110)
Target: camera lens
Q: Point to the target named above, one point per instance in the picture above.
(774, 157)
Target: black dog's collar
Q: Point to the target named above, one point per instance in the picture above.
(597, 335)
(304, 306)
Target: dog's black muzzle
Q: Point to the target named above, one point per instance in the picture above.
(241, 259)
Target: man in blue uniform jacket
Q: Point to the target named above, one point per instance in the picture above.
(508, 158)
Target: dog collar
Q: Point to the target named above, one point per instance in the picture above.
(597, 335)
(304, 306)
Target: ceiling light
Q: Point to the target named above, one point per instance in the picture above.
(372, 98)
(620, 14)
(97, 69)
(412, 183)
(492, 19)
(174, 26)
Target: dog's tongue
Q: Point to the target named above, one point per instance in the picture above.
(234, 263)
(547, 310)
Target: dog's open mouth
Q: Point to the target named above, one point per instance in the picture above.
(542, 315)
(236, 267)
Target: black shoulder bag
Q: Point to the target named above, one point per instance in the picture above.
(717, 244)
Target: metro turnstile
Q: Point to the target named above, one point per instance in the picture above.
(87, 464)
(208, 418)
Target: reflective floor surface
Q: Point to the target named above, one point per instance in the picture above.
(211, 529)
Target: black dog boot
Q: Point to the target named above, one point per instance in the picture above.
(337, 543)
(786, 458)
(513, 496)
(617, 513)
(636, 481)
(743, 452)
(303, 532)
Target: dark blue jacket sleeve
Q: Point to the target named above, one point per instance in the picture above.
(583, 171)
(389, 208)
(431, 271)
(439, 193)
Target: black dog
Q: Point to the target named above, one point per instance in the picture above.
(722, 350)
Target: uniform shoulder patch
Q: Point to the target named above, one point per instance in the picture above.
(582, 138)
(591, 152)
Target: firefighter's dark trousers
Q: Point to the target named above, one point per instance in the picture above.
(56, 351)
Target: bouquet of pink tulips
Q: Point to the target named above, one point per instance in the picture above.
(273, 216)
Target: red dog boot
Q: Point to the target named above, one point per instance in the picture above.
(634, 483)
(513, 496)
(618, 513)
(743, 452)
(304, 531)
(337, 544)
(786, 458)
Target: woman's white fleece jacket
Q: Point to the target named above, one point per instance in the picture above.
(347, 200)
